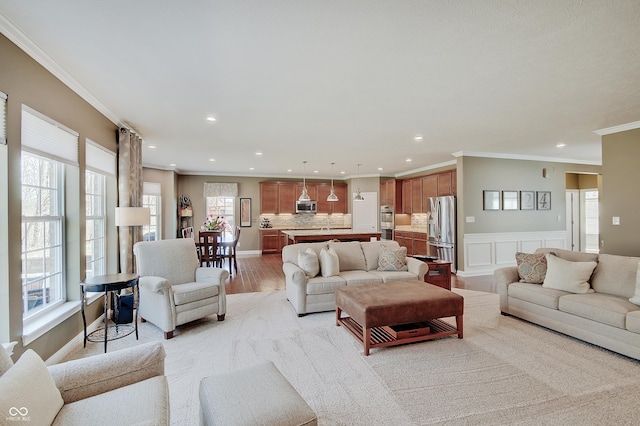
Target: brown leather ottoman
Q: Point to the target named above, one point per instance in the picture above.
(372, 309)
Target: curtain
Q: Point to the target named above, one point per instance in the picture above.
(130, 183)
(220, 190)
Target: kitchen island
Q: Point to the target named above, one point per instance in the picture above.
(315, 235)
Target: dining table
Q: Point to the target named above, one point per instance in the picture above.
(223, 239)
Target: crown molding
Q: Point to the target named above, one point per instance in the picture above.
(618, 129)
(524, 157)
(17, 37)
(426, 168)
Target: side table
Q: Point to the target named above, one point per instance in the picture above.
(109, 284)
(439, 274)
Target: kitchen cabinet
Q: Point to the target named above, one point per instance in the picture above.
(287, 197)
(419, 243)
(429, 187)
(416, 196)
(405, 239)
(406, 196)
(271, 241)
(323, 191)
(391, 194)
(444, 184)
(415, 242)
(268, 197)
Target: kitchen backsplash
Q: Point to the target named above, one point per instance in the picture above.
(307, 221)
(418, 219)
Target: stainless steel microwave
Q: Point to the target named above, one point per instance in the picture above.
(306, 206)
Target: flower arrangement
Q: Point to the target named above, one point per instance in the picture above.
(214, 224)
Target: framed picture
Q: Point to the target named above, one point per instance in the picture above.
(543, 200)
(527, 200)
(245, 212)
(491, 200)
(509, 200)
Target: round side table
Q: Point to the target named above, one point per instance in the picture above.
(109, 284)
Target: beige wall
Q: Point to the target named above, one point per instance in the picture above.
(620, 178)
(26, 82)
(168, 180)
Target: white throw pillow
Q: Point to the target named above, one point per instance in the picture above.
(636, 297)
(308, 262)
(27, 390)
(329, 264)
(568, 276)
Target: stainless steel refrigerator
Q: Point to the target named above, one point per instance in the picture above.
(441, 228)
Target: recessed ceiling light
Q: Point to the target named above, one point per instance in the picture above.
(315, 171)
(418, 138)
(379, 168)
(151, 146)
(258, 153)
(343, 172)
(211, 118)
(172, 164)
(250, 168)
(212, 159)
(289, 170)
(561, 145)
(408, 160)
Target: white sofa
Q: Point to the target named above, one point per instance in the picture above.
(605, 317)
(120, 387)
(358, 265)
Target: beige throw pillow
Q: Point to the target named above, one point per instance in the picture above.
(27, 390)
(392, 259)
(532, 267)
(308, 262)
(636, 297)
(568, 276)
(329, 264)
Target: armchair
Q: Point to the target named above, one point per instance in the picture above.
(174, 289)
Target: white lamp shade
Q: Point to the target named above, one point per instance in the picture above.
(133, 216)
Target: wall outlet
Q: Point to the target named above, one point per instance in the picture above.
(471, 219)
(616, 220)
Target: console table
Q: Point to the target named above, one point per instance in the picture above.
(109, 284)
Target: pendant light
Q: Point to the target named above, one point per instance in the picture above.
(304, 197)
(332, 196)
(358, 196)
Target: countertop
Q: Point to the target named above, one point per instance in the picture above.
(409, 228)
(339, 231)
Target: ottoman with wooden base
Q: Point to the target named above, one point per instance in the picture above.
(398, 312)
(255, 395)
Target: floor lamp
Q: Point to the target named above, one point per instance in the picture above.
(129, 217)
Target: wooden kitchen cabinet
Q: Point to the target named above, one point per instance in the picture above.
(419, 243)
(429, 187)
(323, 191)
(417, 205)
(444, 184)
(277, 197)
(268, 197)
(271, 241)
(287, 197)
(391, 194)
(405, 239)
(406, 196)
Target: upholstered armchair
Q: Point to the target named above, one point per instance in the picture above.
(174, 289)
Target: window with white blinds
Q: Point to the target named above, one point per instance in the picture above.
(99, 159)
(3, 118)
(43, 136)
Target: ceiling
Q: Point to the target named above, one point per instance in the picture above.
(351, 82)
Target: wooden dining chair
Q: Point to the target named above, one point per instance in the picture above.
(208, 245)
(188, 232)
(228, 252)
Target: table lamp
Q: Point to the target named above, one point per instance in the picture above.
(131, 216)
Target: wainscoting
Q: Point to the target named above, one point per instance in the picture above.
(483, 253)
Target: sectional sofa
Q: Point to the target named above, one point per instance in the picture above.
(357, 263)
(604, 311)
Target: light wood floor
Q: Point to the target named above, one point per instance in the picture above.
(264, 273)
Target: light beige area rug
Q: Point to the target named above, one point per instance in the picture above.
(504, 371)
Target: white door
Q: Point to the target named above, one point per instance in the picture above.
(365, 213)
(573, 219)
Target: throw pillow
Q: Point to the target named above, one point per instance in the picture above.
(5, 360)
(568, 276)
(392, 259)
(532, 267)
(308, 262)
(329, 264)
(28, 390)
(636, 297)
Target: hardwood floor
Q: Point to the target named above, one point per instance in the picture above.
(264, 273)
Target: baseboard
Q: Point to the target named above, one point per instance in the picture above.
(248, 253)
(64, 351)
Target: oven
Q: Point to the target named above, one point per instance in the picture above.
(386, 222)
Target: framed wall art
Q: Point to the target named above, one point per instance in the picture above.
(543, 200)
(491, 200)
(245, 212)
(509, 200)
(527, 200)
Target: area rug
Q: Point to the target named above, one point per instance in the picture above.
(504, 371)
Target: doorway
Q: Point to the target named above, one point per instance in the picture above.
(582, 220)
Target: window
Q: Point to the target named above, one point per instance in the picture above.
(42, 234)
(48, 148)
(96, 219)
(223, 207)
(151, 199)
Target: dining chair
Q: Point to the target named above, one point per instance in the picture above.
(188, 232)
(228, 252)
(209, 249)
